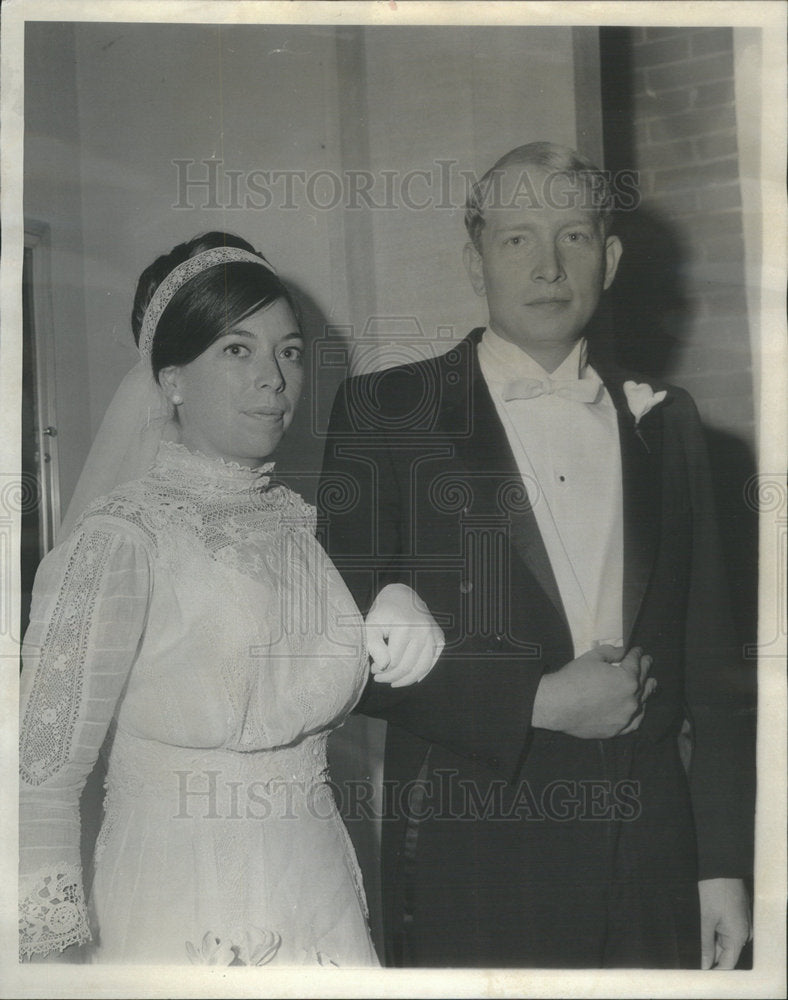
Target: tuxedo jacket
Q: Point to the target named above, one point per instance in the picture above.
(504, 844)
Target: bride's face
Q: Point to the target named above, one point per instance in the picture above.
(239, 396)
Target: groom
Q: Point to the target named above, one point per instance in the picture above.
(555, 516)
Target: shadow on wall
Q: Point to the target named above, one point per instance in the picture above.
(649, 310)
(643, 324)
(647, 318)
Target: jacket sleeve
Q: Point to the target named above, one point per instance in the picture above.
(720, 687)
(476, 701)
(359, 515)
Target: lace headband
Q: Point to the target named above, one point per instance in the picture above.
(178, 277)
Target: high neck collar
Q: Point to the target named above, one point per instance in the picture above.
(231, 476)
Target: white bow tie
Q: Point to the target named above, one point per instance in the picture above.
(583, 390)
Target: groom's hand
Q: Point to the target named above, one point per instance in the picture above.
(599, 695)
(725, 921)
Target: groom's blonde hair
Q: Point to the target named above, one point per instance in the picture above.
(549, 157)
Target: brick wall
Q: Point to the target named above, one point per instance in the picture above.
(671, 96)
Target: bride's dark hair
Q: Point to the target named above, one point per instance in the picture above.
(209, 304)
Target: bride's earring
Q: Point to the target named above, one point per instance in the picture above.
(168, 381)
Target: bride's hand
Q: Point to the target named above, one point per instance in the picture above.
(403, 639)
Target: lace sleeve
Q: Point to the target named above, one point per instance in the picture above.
(89, 604)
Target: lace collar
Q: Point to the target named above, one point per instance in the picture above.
(174, 458)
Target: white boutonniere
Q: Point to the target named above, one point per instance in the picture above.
(642, 398)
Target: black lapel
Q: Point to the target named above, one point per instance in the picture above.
(641, 468)
(483, 448)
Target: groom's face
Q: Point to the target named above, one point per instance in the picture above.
(544, 258)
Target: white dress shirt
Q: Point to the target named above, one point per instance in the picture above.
(569, 456)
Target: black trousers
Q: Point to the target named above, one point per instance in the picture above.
(545, 874)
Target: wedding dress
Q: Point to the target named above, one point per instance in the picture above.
(193, 615)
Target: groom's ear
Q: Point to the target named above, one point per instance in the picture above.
(613, 251)
(475, 268)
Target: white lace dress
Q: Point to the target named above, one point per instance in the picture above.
(194, 614)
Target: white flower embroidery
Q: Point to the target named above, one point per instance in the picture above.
(212, 951)
(38, 768)
(256, 947)
(259, 947)
(642, 398)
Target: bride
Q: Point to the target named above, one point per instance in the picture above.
(191, 615)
